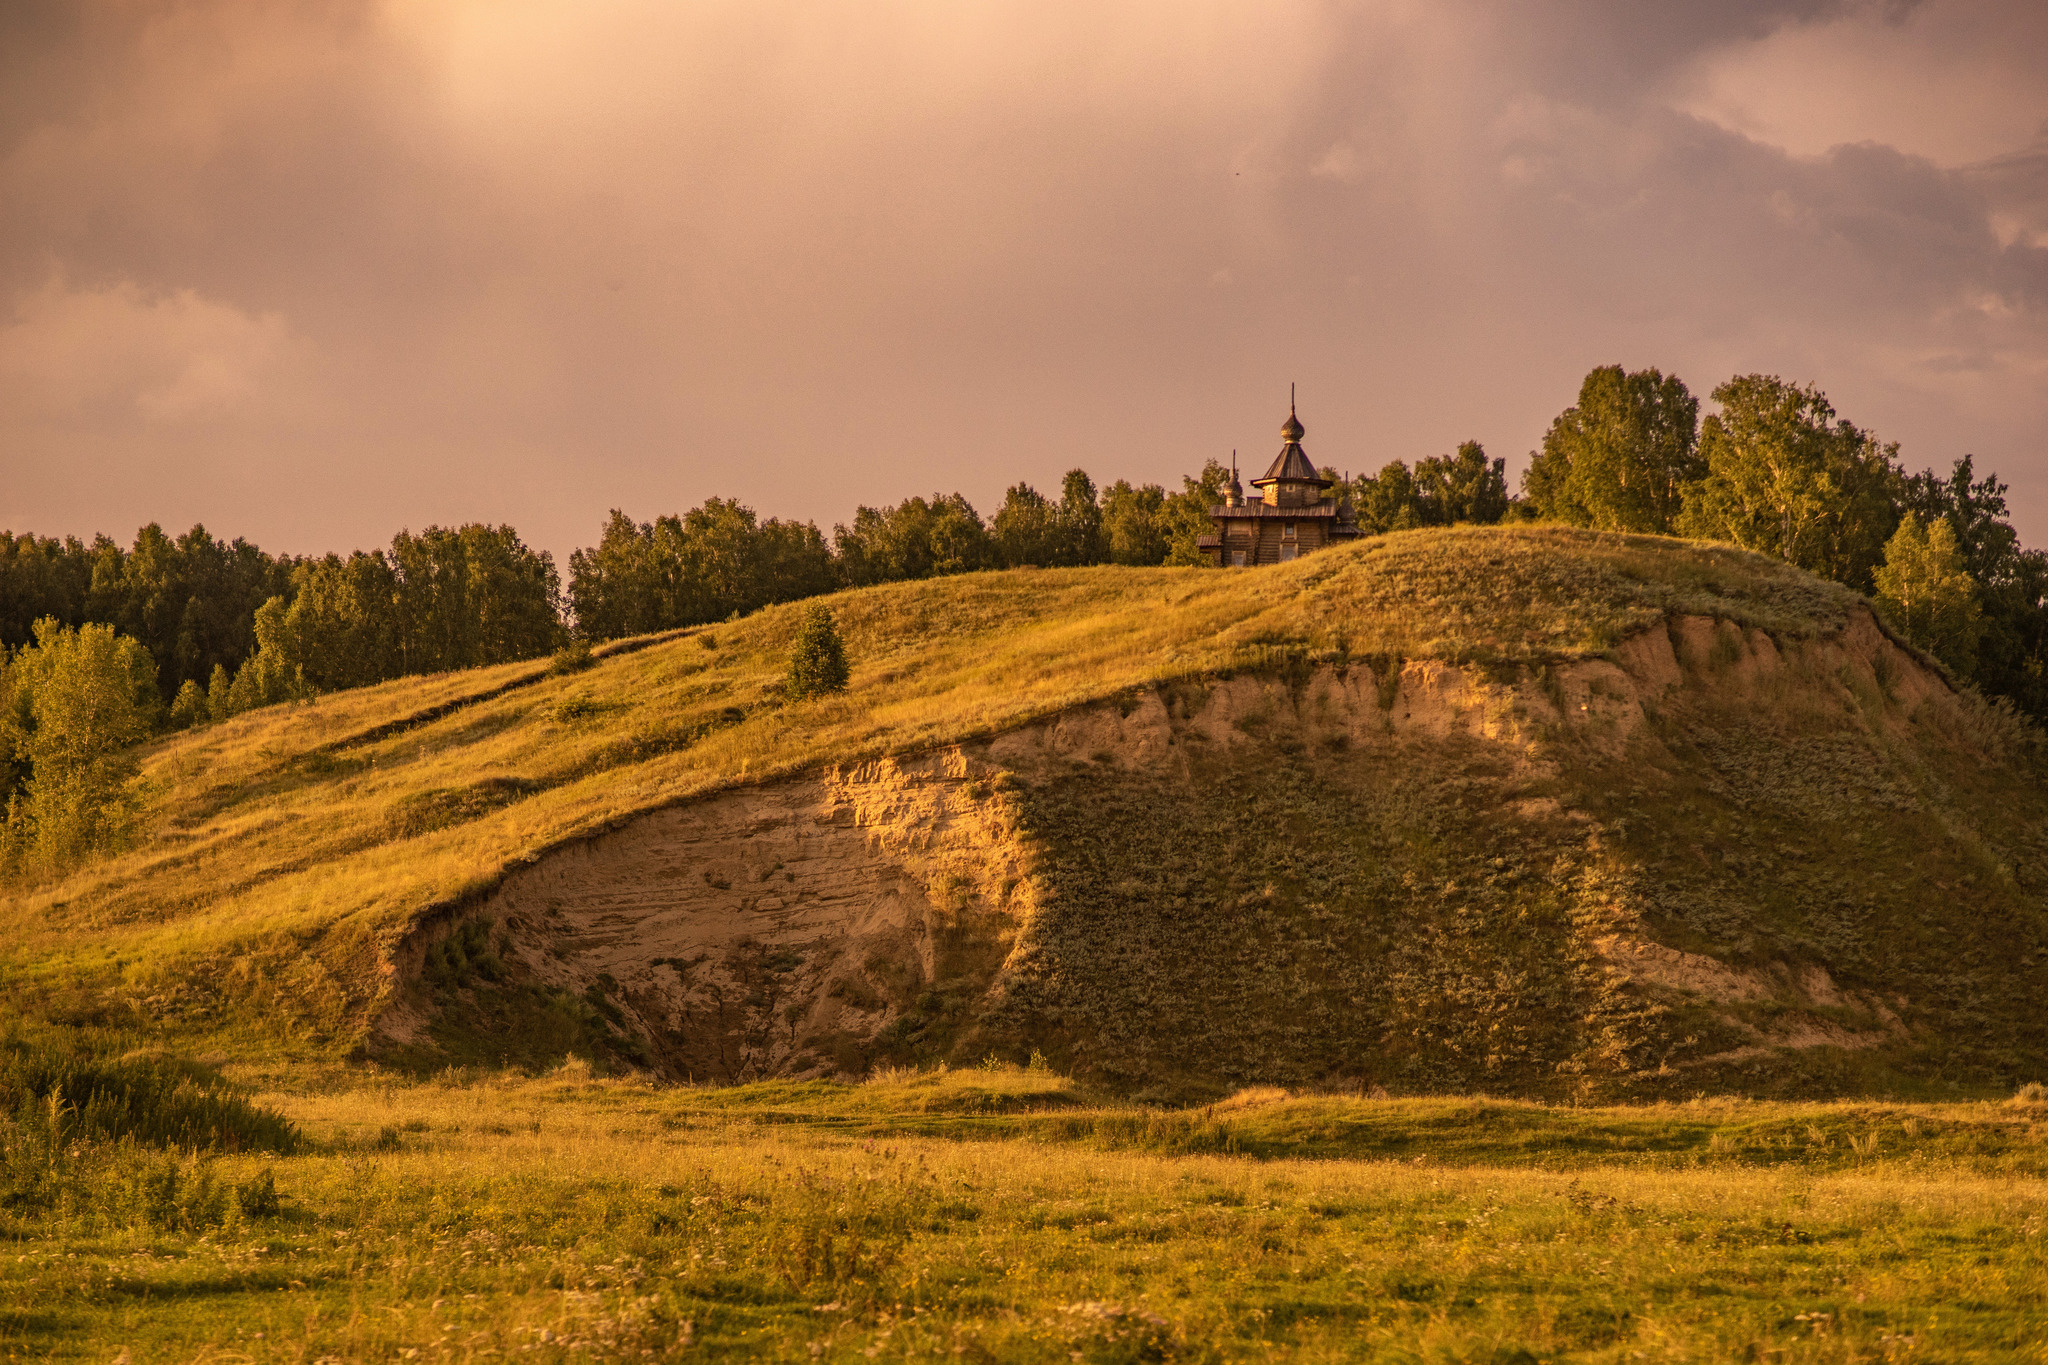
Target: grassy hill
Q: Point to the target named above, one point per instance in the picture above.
(1800, 806)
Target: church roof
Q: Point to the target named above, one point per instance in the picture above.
(1225, 512)
(1291, 465)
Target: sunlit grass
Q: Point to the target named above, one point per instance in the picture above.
(278, 853)
(567, 1218)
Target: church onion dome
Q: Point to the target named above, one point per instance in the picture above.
(1291, 465)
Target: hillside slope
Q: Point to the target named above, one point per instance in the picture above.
(1524, 810)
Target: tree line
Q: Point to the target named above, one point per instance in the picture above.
(101, 645)
(1778, 470)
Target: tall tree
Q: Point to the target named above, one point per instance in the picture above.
(703, 565)
(1620, 458)
(1134, 529)
(274, 673)
(1784, 476)
(190, 601)
(1924, 589)
(1184, 516)
(75, 703)
(1079, 519)
(2012, 582)
(615, 588)
(1027, 529)
(344, 628)
(1464, 487)
(42, 576)
(1386, 501)
(914, 539)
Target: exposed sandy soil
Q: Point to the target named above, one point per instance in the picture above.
(780, 929)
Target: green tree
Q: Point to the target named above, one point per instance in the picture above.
(704, 565)
(1184, 516)
(190, 601)
(471, 596)
(189, 708)
(2012, 582)
(1785, 477)
(1619, 459)
(914, 539)
(615, 588)
(1464, 487)
(41, 576)
(1442, 490)
(1386, 501)
(275, 672)
(818, 663)
(219, 693)
(1026, 529)
(1925, 591)
(1134, 529)
(78, 700)
(344, 628)
(1079, 521)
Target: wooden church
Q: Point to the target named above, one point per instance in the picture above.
(1293, 515)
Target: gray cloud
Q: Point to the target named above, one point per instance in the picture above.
(313, 273)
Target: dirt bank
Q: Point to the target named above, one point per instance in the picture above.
(1446, 824)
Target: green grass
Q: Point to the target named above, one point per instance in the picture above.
(1006, 1215)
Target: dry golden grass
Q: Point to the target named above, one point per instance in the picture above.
(282, 847)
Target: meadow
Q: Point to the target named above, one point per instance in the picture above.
(1003, 1214)
(288, 1200)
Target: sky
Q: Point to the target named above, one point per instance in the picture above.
(311, 273)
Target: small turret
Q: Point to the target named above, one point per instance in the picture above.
(1292, 481)
(1233, 492)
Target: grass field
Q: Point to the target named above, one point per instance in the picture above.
(1004, 1215)
(321, 1211)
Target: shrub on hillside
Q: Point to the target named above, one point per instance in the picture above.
(818, 663)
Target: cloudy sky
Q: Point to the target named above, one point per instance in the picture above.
(312, 272)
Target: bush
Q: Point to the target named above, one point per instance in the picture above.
(573, 657)
(70, 1086)
(818, 664)
(83, 1138)
(257, 1197)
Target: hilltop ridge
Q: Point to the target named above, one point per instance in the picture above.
(1536, 810)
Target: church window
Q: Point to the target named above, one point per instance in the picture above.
(1237, 559)
(1287, 530)
(1288, 552)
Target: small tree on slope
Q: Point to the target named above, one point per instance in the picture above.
(818, 663)
(1926, 592)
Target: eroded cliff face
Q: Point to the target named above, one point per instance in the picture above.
(1704, 863)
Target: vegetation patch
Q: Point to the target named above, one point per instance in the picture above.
(995, 1213)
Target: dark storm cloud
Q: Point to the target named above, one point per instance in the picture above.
(313, 272)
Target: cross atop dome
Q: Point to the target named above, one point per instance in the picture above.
(1292, 480)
